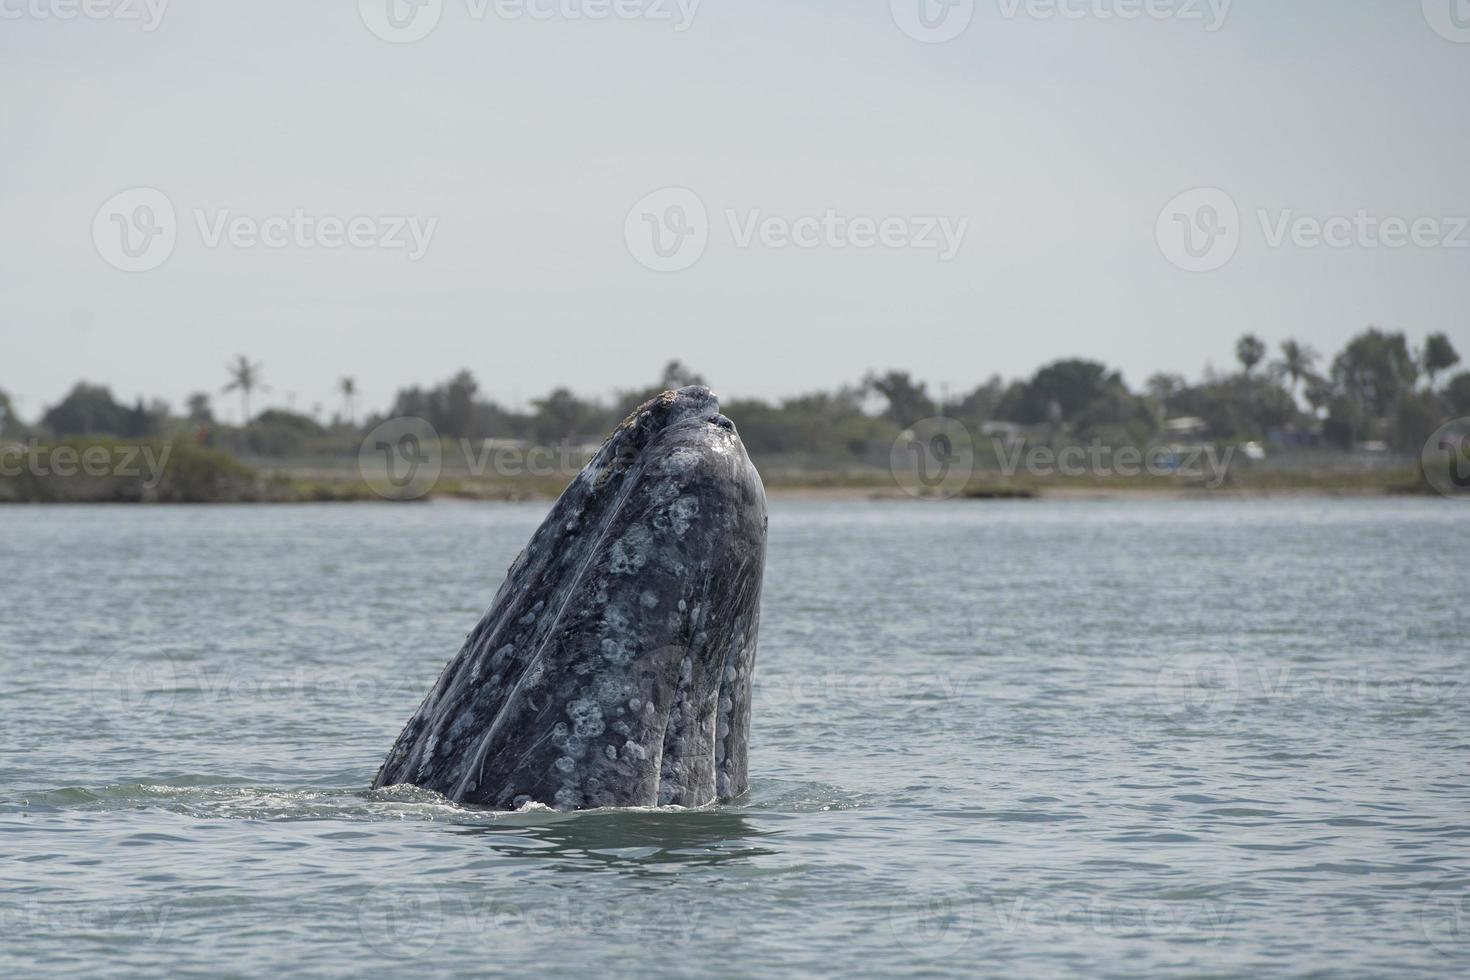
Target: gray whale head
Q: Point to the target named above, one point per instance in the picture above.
(614, 665)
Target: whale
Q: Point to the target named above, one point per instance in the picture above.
(614, 665)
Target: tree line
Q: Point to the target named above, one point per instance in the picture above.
(1379, 389)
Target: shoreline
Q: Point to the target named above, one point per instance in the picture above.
(893, 494)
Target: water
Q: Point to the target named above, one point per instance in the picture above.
(1103, 738)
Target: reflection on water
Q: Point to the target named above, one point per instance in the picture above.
(637, 841)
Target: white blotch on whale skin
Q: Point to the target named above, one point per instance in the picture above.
(682, 514)
(610, 752)
(630, 552)
(565, 764)
(680, 461)
(649, 600)
(609, 690)
(586, 718)
(617, 651)
(632, 750)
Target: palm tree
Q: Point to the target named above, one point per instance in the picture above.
(244, 378)
(348, 387)
(1438, 355)
(1249, 350)
(1296, 362)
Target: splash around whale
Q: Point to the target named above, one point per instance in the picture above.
(613, 668)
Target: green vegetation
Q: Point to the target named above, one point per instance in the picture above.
(1355, 423)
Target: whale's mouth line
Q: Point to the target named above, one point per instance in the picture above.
(473, 773)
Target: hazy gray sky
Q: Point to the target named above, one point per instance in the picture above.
(527, 141)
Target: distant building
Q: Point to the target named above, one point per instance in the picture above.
(1186, 427)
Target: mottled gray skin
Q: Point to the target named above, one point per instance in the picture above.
(614, 666)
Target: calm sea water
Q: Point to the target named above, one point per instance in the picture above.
(1103, 739)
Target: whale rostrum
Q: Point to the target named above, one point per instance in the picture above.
(614, 666)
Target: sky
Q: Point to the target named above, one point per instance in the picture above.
(783, 195)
